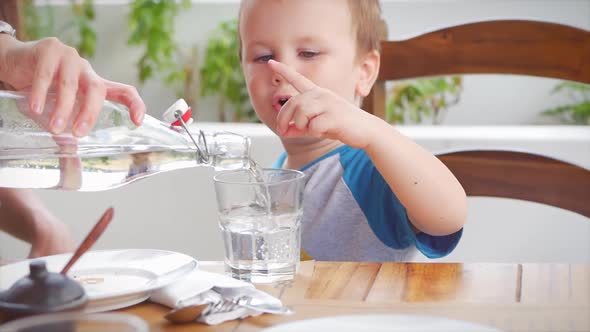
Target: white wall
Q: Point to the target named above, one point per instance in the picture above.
(177, 210)
(489, 99)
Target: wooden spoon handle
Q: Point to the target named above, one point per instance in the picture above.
(94, 234)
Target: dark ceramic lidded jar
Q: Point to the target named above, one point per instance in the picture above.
(41, 292)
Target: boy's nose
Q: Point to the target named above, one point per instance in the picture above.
(276, 79)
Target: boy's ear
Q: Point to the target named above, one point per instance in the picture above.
(369, 70)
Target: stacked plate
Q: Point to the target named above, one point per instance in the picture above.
(113, 279)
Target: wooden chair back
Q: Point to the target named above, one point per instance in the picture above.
(498, 47)
(493, 47)
(521, 175)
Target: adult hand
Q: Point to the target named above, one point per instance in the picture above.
(50, 65)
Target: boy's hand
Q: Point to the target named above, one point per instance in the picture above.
(319, 112)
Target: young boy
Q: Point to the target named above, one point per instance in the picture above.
(371, 193)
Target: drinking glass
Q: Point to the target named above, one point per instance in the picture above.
(260, 214)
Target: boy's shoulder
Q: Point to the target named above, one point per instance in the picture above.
(356, 162)
(347, 156)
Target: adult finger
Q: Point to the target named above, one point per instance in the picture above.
(298, 81)
(67, 89)
(45, 69)
(128, 96)
(95, 93)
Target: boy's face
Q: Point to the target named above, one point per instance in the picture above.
(314, 37)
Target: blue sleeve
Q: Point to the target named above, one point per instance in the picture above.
(386, 215)
(280, 161)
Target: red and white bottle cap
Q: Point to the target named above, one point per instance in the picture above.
(181, 105)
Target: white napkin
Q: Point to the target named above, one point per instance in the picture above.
(196, 288)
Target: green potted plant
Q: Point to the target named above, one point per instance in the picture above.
(221, 74)
(152, 25)
(416, 100)
(576, 112)
(79, 31)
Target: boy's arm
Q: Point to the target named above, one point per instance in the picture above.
(434, 200)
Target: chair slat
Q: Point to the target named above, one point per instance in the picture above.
(520, 175)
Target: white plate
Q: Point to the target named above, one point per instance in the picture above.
(378, 323)
(112, 279)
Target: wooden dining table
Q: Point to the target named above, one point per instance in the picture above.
(510, 297)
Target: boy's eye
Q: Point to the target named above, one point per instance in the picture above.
(263, 58)
(308, 54)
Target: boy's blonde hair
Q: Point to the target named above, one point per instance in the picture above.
(366, 21)
(368, 24)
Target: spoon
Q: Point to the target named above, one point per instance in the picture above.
(94, 234)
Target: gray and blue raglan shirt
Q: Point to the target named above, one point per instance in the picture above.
(351, 214)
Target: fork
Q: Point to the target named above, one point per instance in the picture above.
(220, 307)
(192, 312)
(253, 299)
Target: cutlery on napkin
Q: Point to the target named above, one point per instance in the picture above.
(202, 287)
(254, 299)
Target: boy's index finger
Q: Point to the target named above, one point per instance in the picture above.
(298, 81)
